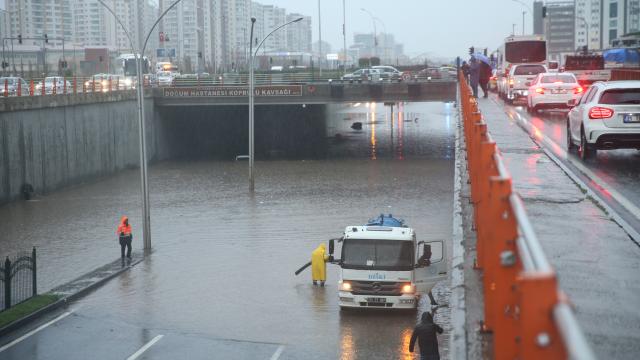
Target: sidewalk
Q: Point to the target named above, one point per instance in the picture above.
(597, 263)
(78, 288)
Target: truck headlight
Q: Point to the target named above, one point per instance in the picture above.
(408, 289)
(345, 286)
(127, 82)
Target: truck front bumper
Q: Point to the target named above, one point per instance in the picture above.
(349, 300)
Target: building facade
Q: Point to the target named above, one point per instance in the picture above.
(560, 29)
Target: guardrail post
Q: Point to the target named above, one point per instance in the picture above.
(75, 85)
(43, 91)
(481, 209)
(93, 85)
(64, 85)
(31, 87)
(539, 337)
(54, 89)
(6, 87)
(7, 283)
(34, 272)
(19, 93)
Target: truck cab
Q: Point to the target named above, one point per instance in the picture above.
(385, 267)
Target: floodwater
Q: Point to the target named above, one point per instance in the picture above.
(223, 263)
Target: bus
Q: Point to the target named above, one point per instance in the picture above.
(127, 70)
(519, 49)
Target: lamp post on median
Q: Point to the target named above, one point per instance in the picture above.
(146, 218)
(524, 12)
(375, 38)
(586, 24)
(252, 55)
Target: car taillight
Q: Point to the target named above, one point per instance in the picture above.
(578, 90)
(510, 81)
(539, 90)
(600, 113)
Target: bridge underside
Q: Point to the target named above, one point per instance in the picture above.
(307, 93)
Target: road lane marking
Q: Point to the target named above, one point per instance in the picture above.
(555, 152)
(278, 352)
(145, 347)
(41, 327)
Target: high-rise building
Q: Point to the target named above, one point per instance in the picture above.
(188, 33)
(32, 20)
(299, 34)
(560, 29)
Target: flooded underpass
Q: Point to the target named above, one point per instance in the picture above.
(220, 282)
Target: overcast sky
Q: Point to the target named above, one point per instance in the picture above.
(442, 28)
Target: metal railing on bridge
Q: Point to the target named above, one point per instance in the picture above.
(18, 279)
(529, 315)
(107, 83)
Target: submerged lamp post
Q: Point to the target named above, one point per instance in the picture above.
(146, 218)
(252, 55)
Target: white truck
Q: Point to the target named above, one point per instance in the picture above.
(384, 266)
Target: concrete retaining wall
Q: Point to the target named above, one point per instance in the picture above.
(51, 147)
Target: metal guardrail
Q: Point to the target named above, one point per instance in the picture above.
(113, 83)
(523, 306)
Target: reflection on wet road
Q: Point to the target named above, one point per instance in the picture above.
(614, 175)
(220, 280)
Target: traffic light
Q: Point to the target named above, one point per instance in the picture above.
(19, 38)
(46, 39)
(544, 11)
(5, 64)
(472, 50)
(199, 54)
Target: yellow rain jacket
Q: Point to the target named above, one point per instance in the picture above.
(319, 264)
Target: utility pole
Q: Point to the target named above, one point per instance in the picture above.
(344, 37)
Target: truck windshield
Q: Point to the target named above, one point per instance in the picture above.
(377, 254)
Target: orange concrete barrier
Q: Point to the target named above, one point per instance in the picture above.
(523, 306)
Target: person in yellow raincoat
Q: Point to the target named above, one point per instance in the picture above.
(319, 265)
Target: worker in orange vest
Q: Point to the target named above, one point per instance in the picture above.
(125, 236)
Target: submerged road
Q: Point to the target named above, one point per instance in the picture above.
(220, 281)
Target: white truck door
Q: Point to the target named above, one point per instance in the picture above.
(431, 265)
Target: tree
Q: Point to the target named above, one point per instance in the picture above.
(363, 62)
(375, 61)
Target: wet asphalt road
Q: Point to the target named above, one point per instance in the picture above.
(614, 175)
(220, 282)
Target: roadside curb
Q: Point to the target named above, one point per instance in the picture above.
(458, 339)
(66, 299)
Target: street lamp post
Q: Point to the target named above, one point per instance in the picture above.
(375, 39)
(386, 47)
(524, 12)
(319, 41)
(252, 55)
(344, 37)
(586, 24)
(146, 218)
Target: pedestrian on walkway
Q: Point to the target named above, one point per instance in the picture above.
(485, 75)
(465, 70)
(426, 333)
(319, 265)
(125, 237)
(474, 75)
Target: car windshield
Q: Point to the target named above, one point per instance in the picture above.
(620, 96)
(567, 79)
(528, 70)
(377, 254)
(164, 73)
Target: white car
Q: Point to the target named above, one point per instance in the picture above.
(552, 90)
(361, 75)
(51, 82)
(606, 117)
(389, 73)
(519, 76)
(164, 78)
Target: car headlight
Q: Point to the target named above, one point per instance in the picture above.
(408, 288)
(345, 286)
(128, 82)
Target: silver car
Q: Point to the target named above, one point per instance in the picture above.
(9, 86)
(606, 117)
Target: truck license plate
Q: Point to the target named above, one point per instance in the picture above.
(376, 300)
(631, 118)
